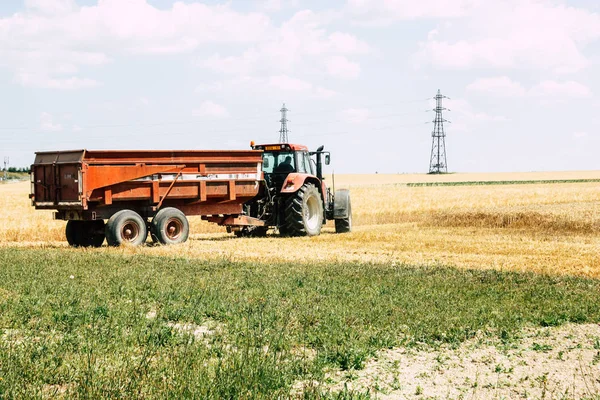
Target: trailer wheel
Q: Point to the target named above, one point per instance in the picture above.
(304, 212)
(170, 226)
(74, 233)
(85, 233)
(94, 233)
(342, 205)
(126, 227)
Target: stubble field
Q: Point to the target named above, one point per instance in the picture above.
(427, 272)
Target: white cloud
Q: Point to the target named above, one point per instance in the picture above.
(499, 86)
(432, 34)
(287, 83)
(341, 67)
(301, 43)
(464, 117)
(50, 41)
(42, 81)
(516, 34)
(251, 84)
(355, 115)
(505, 87)
(284, 82)
(324, 93)
(234, 65)
(271, 5)
(55, 37)
(385, 12)
(47, 123)
(561, 89)
(210, 109)
(345, 43)
(52, 7)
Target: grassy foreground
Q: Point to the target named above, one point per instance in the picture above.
(79, 323)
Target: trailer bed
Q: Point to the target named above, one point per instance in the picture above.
(94, 184)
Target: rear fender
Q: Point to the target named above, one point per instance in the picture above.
(294, 182)
(341, 206)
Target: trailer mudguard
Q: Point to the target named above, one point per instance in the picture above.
(340, 204)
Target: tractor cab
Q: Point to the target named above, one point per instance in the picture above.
(284, 158)
(279, 160)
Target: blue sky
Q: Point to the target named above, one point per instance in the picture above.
(358, 76)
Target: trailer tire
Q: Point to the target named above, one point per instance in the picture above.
(304, 212)
(169, 226)
(94, 233)
(126, 227)
(85, 233)
(74, 233)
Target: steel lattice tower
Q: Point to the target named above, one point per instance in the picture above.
(6, 162)
(283, 131)
(437, 163)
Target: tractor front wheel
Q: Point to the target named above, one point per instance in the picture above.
(303, 212)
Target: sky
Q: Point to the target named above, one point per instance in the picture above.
(358, 76)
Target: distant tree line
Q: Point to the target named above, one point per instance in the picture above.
(15, 169)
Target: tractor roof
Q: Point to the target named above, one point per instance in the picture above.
(282, 147)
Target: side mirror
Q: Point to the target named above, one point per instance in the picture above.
(327, 159)
(266, 163)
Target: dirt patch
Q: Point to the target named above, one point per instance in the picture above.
(200, 332)
(56, 391)
(559, 362)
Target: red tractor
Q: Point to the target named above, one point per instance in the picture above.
(295, 198)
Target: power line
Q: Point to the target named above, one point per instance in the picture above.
(195, 121)
(237, 128)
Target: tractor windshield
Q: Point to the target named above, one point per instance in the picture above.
(280, 162)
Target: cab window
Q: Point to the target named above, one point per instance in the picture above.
(310, 169)
(302, 167)
(278, 162)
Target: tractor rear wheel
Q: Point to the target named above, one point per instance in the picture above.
(170, 226)
(303, 212)
(126, 227)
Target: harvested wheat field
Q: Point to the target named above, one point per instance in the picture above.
(450, 291)
(548, 228)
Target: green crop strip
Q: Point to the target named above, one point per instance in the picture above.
(104, 325)
(484, 183)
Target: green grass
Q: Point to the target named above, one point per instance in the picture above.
(485, 183)
(279, 323)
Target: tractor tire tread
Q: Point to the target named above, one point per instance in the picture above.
(293, 212)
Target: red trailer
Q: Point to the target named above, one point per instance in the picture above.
(141, 192)
(88, 187)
